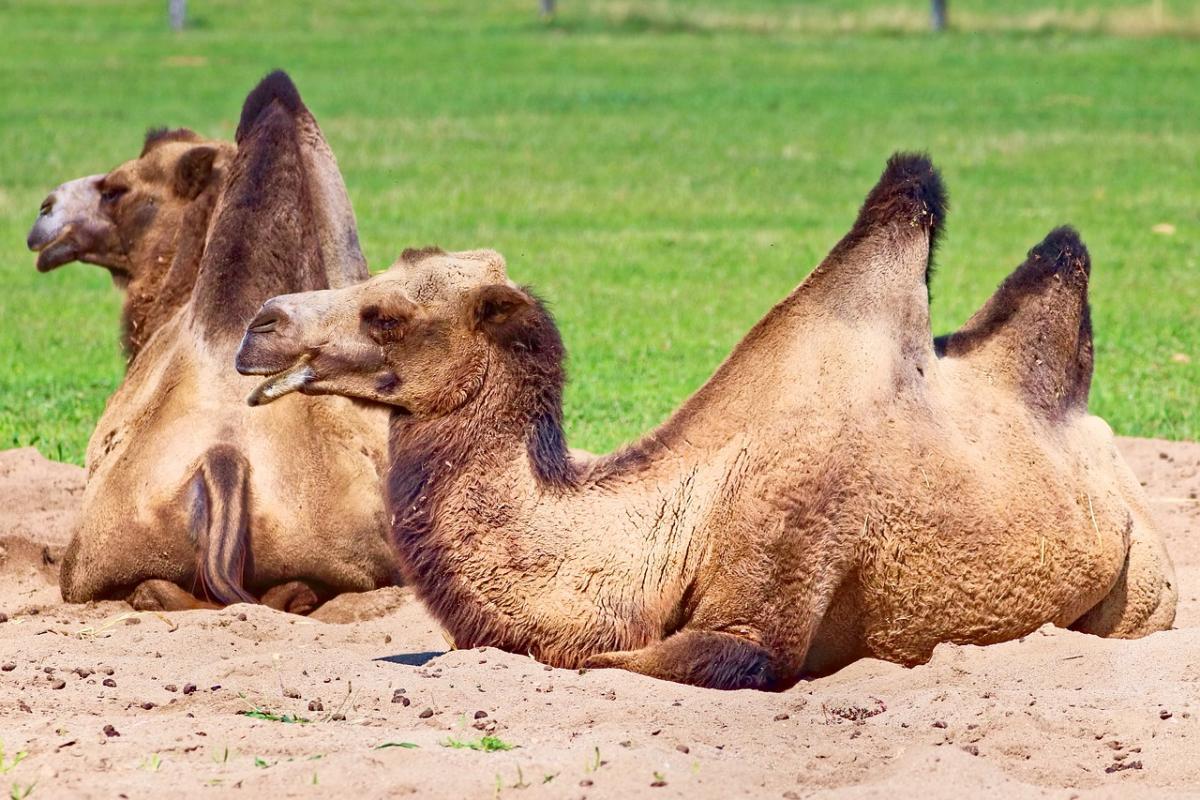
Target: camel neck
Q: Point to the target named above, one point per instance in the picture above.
(510, 546)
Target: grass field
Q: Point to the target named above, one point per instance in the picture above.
(662, 172)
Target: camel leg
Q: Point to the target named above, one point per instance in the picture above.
(162, 595)
(294, 597)
(701, 658)
(1143, 599)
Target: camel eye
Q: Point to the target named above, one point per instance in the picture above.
(382, 328)
(112, 194)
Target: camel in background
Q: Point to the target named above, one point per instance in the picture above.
(835, 491)
(144, 221)
(192, 500)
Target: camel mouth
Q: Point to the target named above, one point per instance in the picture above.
(284, 382)
(52, 252)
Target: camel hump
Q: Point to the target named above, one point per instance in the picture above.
(877, 276)
(219, 524)
(277, 86)
(909, 198)
(1035, 332)
(284, 222)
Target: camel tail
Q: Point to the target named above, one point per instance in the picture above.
(219, 524)
(1035, 332)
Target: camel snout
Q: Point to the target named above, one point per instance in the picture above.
(267, 320)
(43, 230)
(270, 343)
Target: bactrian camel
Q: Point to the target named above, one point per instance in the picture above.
(144, 221)
(194, 500)
(836, 490)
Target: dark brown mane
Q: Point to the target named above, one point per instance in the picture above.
(160, 136)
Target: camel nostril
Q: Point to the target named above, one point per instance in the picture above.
(264, 323)
(47, 206)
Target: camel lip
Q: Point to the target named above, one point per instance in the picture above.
(53, 253)
(282, 382)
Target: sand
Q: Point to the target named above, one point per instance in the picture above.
(110, 703)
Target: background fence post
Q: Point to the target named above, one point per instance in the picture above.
(939, 15)
(177, 10)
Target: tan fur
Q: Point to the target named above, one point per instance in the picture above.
(185, 484)
(145, 221)
(836, 490)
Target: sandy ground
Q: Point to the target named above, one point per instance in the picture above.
(108, 703)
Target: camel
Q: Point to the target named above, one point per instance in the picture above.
(836, 490)
(192, 501)
(144, 221)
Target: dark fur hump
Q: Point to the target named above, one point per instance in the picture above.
(415, 255)
(276, 86)
(157, 136)
(909, 191)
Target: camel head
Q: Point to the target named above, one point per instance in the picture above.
(416, 337)
(126, 220)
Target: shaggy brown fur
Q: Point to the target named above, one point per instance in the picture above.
(834, 491)
(190, 495)
(144, 221)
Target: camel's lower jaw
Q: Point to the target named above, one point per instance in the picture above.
(55, 254)
(292, 379)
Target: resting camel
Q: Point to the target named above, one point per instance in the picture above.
(836, 490)
(144, 221)
(192, 500)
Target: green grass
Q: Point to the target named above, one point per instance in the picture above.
(662, 172)
(486, 744)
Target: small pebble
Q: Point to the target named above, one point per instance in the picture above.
(147, 705)
(781, 717)
(107, 670)
(426, 714)
(7, 666)
(291, 693)
(170, 687)
(1164, 714)
(189, 688)
(586, 782)
(937, 723)
(970, 748)
(58, 684)
(84, 672)
(241, 617)
(110, 731)
(315, 705)
(3, 618)
(683, 748)
(110, 683)
(480, 714)
(48, 670)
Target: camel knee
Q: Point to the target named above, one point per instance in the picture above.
(162, 595)
(1143, 599)
(710, 659)
(294, 597)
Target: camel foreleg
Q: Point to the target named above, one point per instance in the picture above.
(710, 659)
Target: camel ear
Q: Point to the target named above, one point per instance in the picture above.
(497, 309)
(193, 171)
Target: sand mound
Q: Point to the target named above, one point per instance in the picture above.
(106, 701)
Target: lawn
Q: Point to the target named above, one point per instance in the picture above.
(662, 172)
